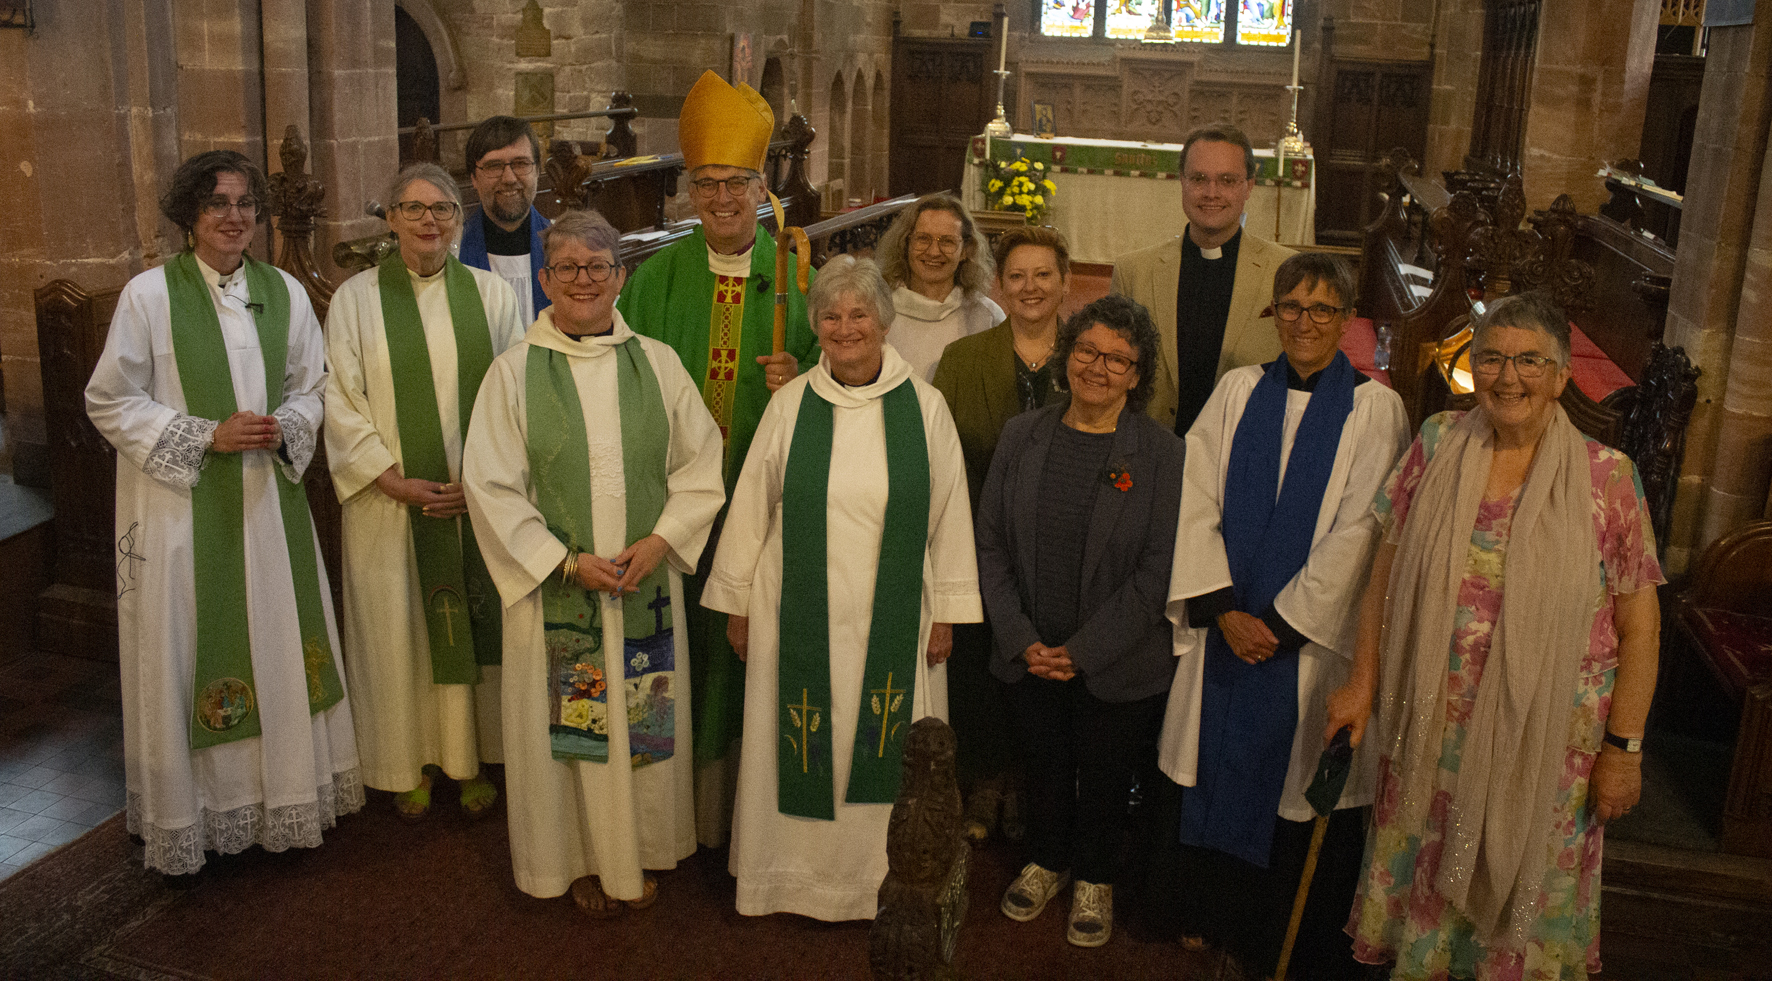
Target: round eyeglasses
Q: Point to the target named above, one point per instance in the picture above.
(707, 187)
(568, 272)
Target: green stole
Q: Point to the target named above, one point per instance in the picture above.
(804, 773)
(225, 701)
(452, 576)
(572, 616)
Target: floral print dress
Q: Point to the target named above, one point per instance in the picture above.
(1397, 913)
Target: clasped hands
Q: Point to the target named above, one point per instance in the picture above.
(625, 572)
(244, 431)
(1051, 663)
(434, 500)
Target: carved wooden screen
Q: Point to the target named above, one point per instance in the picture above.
(942, 95)
(1504, 85)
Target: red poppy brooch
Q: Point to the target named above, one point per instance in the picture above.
(1120, 478)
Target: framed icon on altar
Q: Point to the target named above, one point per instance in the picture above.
(1044, 127)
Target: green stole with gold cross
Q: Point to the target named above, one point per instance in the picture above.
(225, 704)
(572, 616)
(461, 606)
(804, 754)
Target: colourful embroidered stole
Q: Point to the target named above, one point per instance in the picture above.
(225, 703)
(804, 754)
(725, 326)
(572, 616)
(461, 605)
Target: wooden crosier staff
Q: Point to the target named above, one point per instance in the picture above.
(787, 235)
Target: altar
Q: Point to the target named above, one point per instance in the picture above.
(1115, 196)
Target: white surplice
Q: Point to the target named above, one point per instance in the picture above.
(831, 870)
(281, 788)
(571, 818)
(1322, 600)
(923, 328)
(404, 720)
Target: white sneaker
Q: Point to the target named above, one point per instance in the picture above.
(1028, 894)
(1092, 914)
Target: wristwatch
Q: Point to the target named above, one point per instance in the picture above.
(1632, 745)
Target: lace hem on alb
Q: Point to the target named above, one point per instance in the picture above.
(177, 457)
(606, 464)
(298, 443)
(179, 851)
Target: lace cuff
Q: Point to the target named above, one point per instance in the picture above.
(177, 457)
(297, 450)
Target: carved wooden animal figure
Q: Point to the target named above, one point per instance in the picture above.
(923, 897)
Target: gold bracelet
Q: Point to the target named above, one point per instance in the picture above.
(569, 568)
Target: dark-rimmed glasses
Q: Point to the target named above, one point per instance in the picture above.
(522, 167)
(707, 187)
(1119, 364)
(415, 210)
(1488, 364)
(1321, 313)
(219, 206)
(568, 272)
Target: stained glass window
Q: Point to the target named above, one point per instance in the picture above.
(1199, 21)
(1067, 18)
(1264, 22)
(1130, 18)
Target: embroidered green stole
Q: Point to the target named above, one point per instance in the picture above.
(461, 605)
(803, 756)
(572, 617)
(225, 703)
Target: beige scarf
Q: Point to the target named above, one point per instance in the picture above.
(1499, 826)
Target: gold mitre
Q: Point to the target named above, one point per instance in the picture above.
(724, 126)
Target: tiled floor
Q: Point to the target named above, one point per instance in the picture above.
(61, 753)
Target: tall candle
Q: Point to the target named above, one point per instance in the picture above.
(1003, 49)
(1297, 43)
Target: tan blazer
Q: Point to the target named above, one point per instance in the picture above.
(1150, 277)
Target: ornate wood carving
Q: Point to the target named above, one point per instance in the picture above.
(567, 171)
(1555, 270)
(424, 142)
(802, 210)
(621, 141)
(923, 898)
(1653, 431)
(296, 200)
(1503, 249)
(77, 614)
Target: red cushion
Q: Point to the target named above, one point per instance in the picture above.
(1738, 645)
(1581, 345)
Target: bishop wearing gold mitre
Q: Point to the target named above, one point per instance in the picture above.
(711, 298)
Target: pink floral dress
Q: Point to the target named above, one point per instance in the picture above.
(1393, 917)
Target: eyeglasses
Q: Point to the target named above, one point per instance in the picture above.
(218, 206)
(1321, 313)
(1119, 364)
(415, 210)
(1488, 364)
(707, 187)
(568, 272)
(1225, 182)
(929, 243)
(522, 167)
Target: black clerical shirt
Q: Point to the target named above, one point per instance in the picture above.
(1202, 305)
(501, 242)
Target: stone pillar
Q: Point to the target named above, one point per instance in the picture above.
(1458, 54)
(351, 103)
(1720, 274)
(285, 70)
(220, 73)
(1590, 88)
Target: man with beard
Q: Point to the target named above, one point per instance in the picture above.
(503, 234)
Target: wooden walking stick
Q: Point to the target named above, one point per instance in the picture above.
(1324, 791)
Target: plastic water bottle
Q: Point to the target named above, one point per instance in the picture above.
(1381, 353)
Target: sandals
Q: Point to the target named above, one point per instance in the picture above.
(588, 894)
(414, 804)
(478, 796)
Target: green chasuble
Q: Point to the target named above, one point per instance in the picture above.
(803, 753)
(225, 699)
(671, 298)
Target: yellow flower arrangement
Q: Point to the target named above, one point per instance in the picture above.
(1019, 185)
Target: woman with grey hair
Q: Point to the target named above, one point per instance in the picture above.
(846, 559)
(939, 266)
(593, 478)
(1511, 624)
(409, 343)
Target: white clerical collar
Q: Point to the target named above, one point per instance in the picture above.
(732, 266)
(1215, 253)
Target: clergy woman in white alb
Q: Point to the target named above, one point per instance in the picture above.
(842, 598)
(593, 478)
(1274, 542)
(236, 731)
(409, 343)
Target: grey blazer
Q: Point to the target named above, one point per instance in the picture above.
(1124, 650)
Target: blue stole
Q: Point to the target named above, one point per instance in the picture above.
(1248, 713)
(473, 250)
